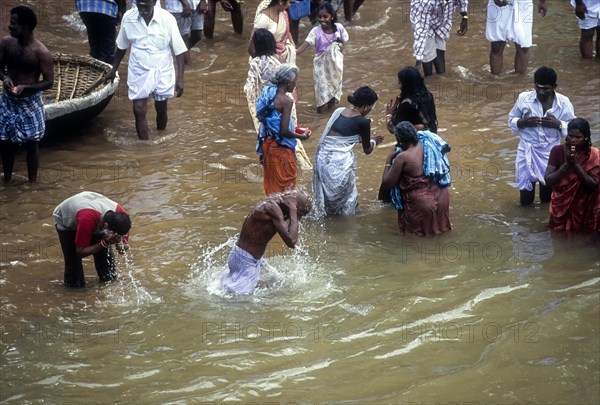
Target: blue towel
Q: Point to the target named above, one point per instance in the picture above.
(435, 164)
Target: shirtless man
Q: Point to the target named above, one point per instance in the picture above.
(278, 213)
(22, 118)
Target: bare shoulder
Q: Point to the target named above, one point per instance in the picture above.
(7, 41)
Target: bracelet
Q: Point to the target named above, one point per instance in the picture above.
(104, 244)
(373, 143)
(388, 165)
(465, 17)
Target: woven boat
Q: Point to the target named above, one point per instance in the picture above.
(79, 92)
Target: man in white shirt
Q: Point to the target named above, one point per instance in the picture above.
(540, 118)
(152, 33)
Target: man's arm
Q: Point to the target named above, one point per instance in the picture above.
(287, 230)
(180, 60)
(110, 76)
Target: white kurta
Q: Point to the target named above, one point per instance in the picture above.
(151, 70)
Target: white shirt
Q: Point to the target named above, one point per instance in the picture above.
(156, 37)
(175, 6)
(561, 108)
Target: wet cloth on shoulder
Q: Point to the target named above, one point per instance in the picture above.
(22, 119)
(436, 166)
(244, 272)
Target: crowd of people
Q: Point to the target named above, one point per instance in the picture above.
(416, 173)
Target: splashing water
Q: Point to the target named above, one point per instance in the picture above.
(296, 271)
(130, 292)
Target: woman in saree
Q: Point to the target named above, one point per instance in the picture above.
(272, 15)
(262, 68)
(573, 173)
(277, 137)
(425, 202)
(334, 175)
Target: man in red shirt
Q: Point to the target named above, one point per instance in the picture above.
(89, 223)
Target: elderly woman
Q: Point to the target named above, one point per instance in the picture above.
(334, 176)
(277, 137)
(573, 172)
(425, 201)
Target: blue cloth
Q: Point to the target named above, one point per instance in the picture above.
(108, 7)
(270, 121)
(22, 119)
(435, 164)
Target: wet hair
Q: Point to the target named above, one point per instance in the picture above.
(118, 222)
(413, 87)
(264, 42)
(26, 16)
(582, 126)
(363, 96)
(331, 11)
(406, 132)
(285, 74)
(545, 75)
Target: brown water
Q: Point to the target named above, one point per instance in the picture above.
(496, 311)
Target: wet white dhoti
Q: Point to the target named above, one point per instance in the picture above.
(150, 73)
(244, 272)
(512, 22)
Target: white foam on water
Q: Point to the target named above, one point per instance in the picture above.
(294, 272)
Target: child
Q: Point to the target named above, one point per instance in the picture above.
(328, 39)
(262, 68)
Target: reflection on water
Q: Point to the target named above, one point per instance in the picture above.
(498, 310)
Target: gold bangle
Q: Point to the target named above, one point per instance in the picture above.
(388, 165)
(104, 244)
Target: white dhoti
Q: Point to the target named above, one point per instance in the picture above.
(531, 163)
(512, 22)
(150, 73)
(244, 272)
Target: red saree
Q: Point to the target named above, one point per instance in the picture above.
(574, 207)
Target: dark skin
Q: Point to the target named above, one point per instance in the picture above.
(367, 145)
(278, 213)
(284, 103)
(230, 6)
(111, 238)
(30, 69)
(273, 13)
(586, 41)
(140, 106)
(351, 7)
(440, 59)
(521, 54)
(545, 93)
(406, 163)
(574, 143)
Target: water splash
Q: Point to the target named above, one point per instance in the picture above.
(129, 291)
